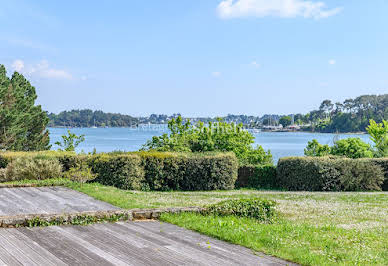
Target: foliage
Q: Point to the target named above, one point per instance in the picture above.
(80, 173)
(77, 220)
(379, 135)
(352, 148)
(217, 136)
(70, 142)
(3, 174)
(352, 115)
(190, 171)
(329, 174)
(260, 209)
(285, 121)
(148, 170)
(22, 123)
(38, 168)
(89, 118)
(314, 148)
(383, 163)
(123, 171)
(257, 176)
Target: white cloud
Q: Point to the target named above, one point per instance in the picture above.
(216, 74)
(332, 62)
(18, 65)
(255, 64)
(278, 8)
(41, 70)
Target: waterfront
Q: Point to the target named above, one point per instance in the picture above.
(281, 144)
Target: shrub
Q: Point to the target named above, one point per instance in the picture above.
(148, 170)
(122, 171)
(33, 168)
(214, 137)
(352, 148)
(329, 174)
(314, 148)
(262, 210)
(177, 171)
(80, 173)
(383, 163)
(3, 177)
(67, 159)
(257, 176)
(379, 135)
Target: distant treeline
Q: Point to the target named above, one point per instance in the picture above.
(352, 115)
(89, 118)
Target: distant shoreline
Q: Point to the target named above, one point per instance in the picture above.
(262, 131)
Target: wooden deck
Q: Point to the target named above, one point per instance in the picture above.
(123, 243)
(47, 200)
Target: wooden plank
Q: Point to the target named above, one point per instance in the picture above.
(24, 246)
(36, 247)
(65, 249)
(7, 258)
(14, 250)
(135, 240)
(117, 247)
(191, 250)
(95, 248)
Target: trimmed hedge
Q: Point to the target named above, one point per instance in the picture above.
(329, 174)
(189, 171)
(257, 176)
(122, 171)
(383, 163)
(149, 170)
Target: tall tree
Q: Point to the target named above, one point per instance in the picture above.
(22, 123)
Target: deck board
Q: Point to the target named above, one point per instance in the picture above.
(47, 200)
(123, 243)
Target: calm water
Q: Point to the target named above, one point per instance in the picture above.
(281, 144)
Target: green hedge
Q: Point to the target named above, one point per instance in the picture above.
(260, 209)
(257, 176)
(150, 170)
(329, 174)
(383, 163)
(122, 171)
(189, 171)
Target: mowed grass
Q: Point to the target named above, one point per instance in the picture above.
(312, 228)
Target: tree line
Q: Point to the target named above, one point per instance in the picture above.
(89, 118)
(351, 115)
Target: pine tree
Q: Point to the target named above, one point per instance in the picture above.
(22, 123)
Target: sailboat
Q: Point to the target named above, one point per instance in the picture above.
(94, 124)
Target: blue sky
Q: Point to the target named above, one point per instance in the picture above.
(196, 57)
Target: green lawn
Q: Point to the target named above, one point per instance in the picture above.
(312, 228)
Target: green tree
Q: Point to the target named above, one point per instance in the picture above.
(70, 142)
(314, 148)
(215, 136)
(285, 121)
(379, 135)
(352, 148)
(22, 123)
